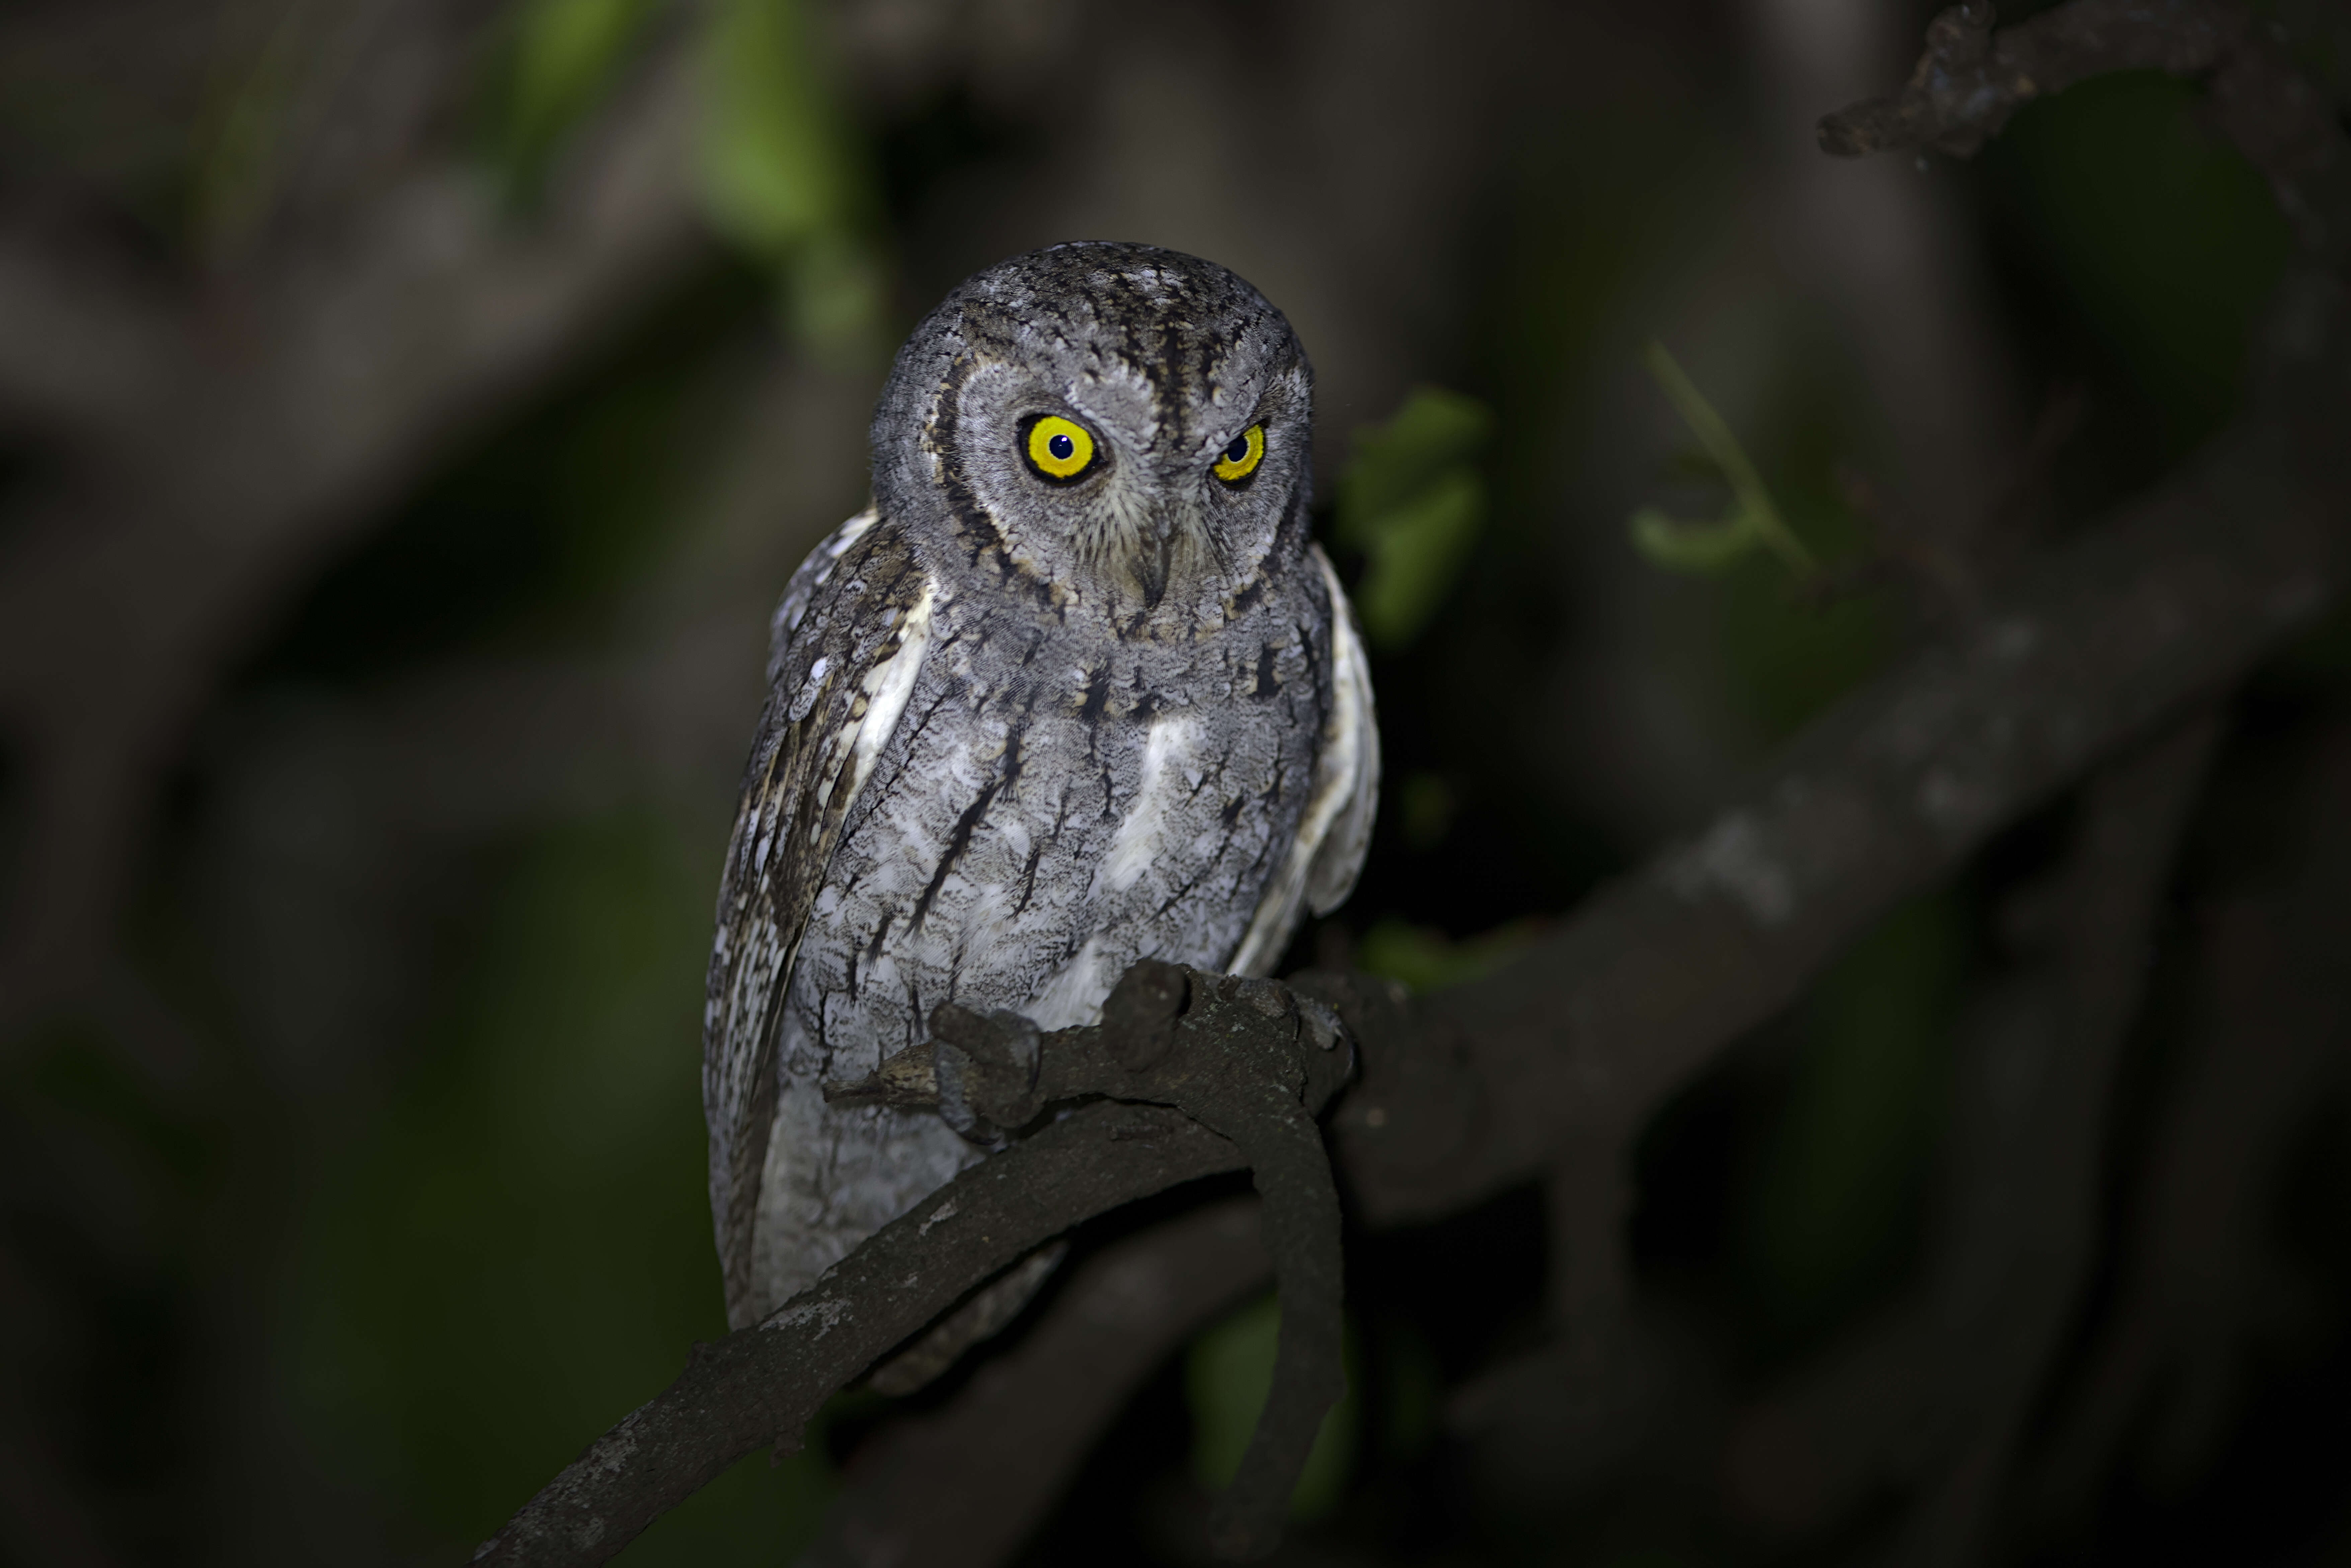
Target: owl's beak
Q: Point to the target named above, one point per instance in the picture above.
(1154, 536)
(1152, 562)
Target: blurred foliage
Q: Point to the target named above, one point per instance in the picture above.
(1752, 522)
(782, 173)
(1777, 660)
(518, 1250)
(520, 1253)
(535, 535)
(2166, 241)
(1427, 959)
(1412, 1385)
(563, 56)
(782, 176)
(111, 1187)
(238, 150)
(1228, 1373)
(1412, 502)
(2321, 654)
(1427, 802)
(1836, 1194)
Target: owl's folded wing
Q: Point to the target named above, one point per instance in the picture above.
(850, 637)
(1335, 829)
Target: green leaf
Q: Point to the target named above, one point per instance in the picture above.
(1411, 501)
(1413, 1380)
(1753, 520)
(1433, 431)
(1693, 547)
(565, 54)
(1427, 959)
(1843, 1172)
(779, 174)
(2165, 240)
(772, 161)
(1427, 805)
(1416, 551)
(241, 146)
(835, 291)
(1227, 1377)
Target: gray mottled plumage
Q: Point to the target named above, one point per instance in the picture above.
(1020, 732)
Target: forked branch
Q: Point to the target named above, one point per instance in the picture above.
(1247, 1058)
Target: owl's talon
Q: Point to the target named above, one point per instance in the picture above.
(906, 1081)
(987, 1067)
(1139, 1017)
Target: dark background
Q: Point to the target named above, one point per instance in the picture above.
(411, 411)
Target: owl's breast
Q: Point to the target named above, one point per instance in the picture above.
(1053, 806)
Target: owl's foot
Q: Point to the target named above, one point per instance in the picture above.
(1248, 1059)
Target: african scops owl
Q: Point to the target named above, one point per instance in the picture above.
(1077, 689)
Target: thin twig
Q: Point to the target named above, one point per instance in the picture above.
(2268, 1022)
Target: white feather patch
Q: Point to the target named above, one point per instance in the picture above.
(888, 685)
(1075, 993)
(1166, 762)
(1346, 789)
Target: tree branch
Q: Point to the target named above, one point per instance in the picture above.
(1591, 1030)
(1971, 79)
(1943, 1390)
(762, 1385)
(965, 1486)
(1243, 1058)
(2268, 1024)
(1244, 1054)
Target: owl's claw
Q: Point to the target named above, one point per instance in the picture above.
(1254, 1063)
(986, 1066)
(908, 1081)
(1139, 1017)
(1247, 1059)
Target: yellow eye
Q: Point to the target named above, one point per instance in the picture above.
(1060, 448)
(1238, 461)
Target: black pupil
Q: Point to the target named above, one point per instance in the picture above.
(1239, 451)
(1061, 446)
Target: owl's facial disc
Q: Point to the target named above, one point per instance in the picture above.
(1124, 484)
(1127, 427)
(1116, 500)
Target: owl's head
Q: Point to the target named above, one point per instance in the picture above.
(1126, 427)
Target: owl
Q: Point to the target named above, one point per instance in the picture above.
(1076, 689)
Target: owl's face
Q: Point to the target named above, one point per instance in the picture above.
(1128, 427)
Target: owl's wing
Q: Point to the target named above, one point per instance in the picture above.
(1335, 829)
(843, 663)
